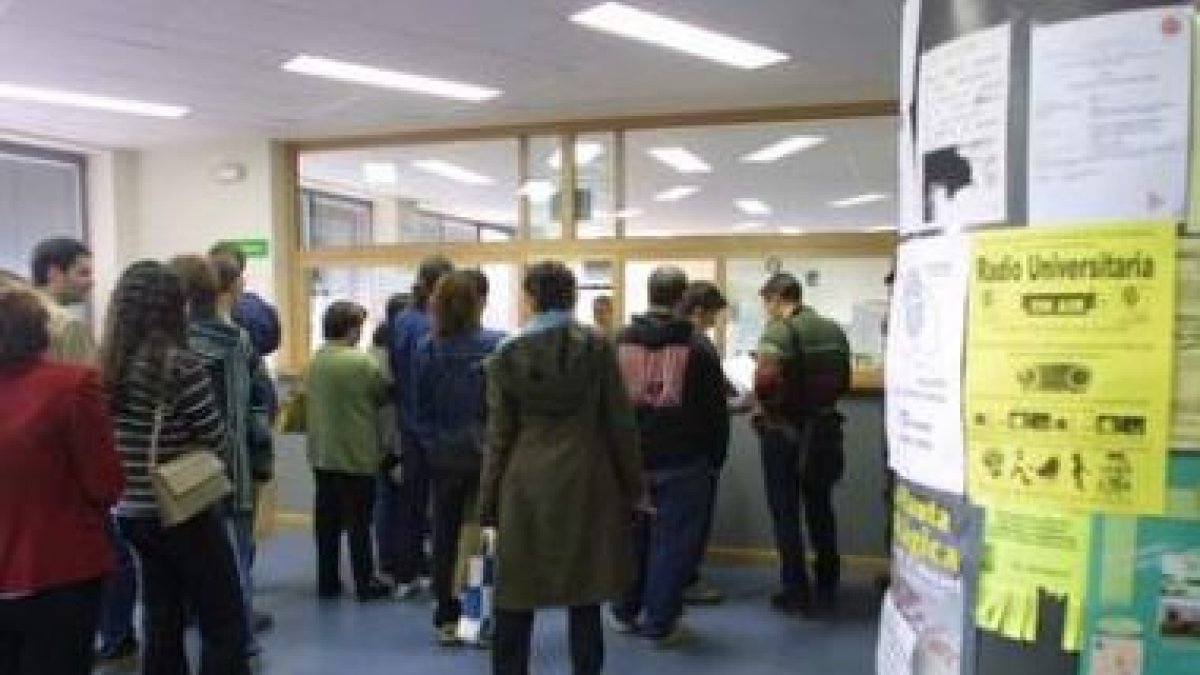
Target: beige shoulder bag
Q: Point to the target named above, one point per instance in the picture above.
(188, 484)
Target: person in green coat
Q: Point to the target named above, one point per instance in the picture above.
(562, 478)
(346, 389)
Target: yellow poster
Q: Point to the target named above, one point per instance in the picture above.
(1026, 553)
(1069, 371)
(1186, 403)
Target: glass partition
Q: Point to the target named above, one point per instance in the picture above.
(850, 291)
(451, 192)
(760, 179)
(637, 279)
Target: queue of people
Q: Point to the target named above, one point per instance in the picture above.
(589, 457)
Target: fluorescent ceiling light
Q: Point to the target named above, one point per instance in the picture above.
(636, 24)
(624, 214)
(869, 198)
(72, 99)
(744, 227)
(585, 153)
(791, 230)
(388, 79)
(453, 172)
(538, 191)
(680, 159)
(380, 173)
(677, 193)
(753, 207)
(882, 228)
(788, 146)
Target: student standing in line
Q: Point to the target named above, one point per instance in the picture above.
(702, 305)
(346, 390)
(212, 286)
(450, 423)
(402, 544)
(675, 381)
(604, 317)
(562, 476)
(149, 373)
(59, 476)
(383, 516)
(802, 370)
(62, 272)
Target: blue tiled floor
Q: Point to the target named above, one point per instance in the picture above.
(741, 637)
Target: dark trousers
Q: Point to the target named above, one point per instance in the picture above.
(120, 594)
(667, 545)
(189, 567)
(803, 467)
(51, 632)
(412, 514)
(514, 632)
(714, 477)
(453, 493)
(343, 503)
(387, 507)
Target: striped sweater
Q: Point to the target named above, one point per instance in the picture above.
(191, 420)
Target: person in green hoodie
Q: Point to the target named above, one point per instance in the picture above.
(346, 391)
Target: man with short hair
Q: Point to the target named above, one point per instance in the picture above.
(677, 387)
(604, 314)
(702, 305)
(62, 272)
(802, 370)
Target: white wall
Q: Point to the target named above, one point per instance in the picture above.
(183, 208)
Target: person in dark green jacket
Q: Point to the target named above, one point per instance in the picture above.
(802, 370)
(562, 476)
(346, 391)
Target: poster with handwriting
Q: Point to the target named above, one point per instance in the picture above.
(962, 131)
(1069, 367)
(1109, 116)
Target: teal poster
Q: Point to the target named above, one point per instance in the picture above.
(1143, 609)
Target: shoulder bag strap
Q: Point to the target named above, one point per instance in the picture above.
(160, 408)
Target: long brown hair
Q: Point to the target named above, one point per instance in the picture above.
(147, 319)
(456, 304)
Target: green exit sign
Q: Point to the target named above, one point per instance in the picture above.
(253, 248)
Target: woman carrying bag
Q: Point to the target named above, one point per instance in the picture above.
(163, 406)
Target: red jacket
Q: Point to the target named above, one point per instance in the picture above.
(59, 476)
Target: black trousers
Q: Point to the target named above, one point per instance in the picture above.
(344, 503)
(803, 468)
(453, 493)
(51, 632)
(412, 513)
(514, 632)
(189, 567)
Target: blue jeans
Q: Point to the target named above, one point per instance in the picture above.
(240, 528)
(667, 545)
(120, 594)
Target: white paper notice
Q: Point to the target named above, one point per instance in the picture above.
(1185, 406)
(908, 169)
(897, 642)
(962, 133)
(1109, 117)
(924, 363)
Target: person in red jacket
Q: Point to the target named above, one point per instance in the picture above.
(59, 475)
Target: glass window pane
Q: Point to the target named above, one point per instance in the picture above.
(503, 305)
(423, 193)
(637, 276)
(779, 178)
(543, 186)
(595, 175)
(368, 286)
(850, 291)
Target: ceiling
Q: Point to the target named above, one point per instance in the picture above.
(857, 157)
(222, 58)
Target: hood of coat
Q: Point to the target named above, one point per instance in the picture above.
(656, 330)
(552, 371)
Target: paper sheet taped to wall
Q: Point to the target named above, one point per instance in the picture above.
(1069, 367)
